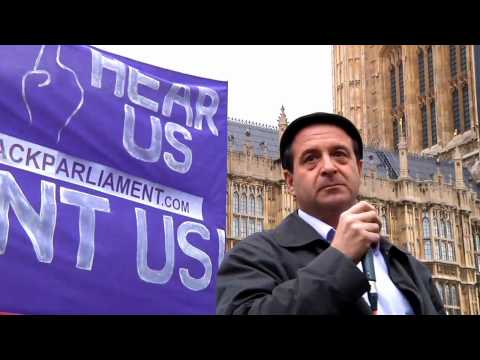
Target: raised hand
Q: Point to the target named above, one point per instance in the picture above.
(52, 93)
(358, 229)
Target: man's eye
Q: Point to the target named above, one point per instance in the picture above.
(340, 154)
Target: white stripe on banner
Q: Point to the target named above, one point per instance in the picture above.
(44, 161)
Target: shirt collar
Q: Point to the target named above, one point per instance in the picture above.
(322, 228)
(327, 232)
(293, 231)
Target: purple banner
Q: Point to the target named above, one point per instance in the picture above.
(112, 184)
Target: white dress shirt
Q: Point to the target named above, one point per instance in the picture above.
(390, 300)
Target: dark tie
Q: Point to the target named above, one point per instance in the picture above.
(330, 235)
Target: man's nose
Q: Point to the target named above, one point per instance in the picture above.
(328, 166)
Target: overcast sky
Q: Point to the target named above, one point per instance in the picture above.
(261, 78)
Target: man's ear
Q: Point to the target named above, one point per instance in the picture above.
(288, 176)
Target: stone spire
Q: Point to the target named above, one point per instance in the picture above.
(457, 157)
(402, 150)
(438, 174)
(282, 122)
(248, 147)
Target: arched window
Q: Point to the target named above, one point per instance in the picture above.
(449, 230)
(463, 58)
(466, 108)
(448, 301)
(431, 83)
(259, 206)
(440, 291)
(427, 243)
(251, 226)
(424, 127)
(235, 202)
(243, 227)
(442, 229)
(259, 225)
(235, 227)
(400, 80)
(450, 243)
(433, 119)
(393, 88)
(251, 205)
(460, 82)
(421, 72)
(426, 227)
(427, 249)
(443, 250)
(243, 204)
(440, 252)
(456, 111)
(453, 61)
(453, 295)
(435, 228)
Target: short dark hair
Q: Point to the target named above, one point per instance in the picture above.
(286, 153)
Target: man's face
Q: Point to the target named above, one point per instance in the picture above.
(326, 173)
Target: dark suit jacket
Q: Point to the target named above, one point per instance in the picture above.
(293, 270)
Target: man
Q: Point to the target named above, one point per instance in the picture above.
(311, 262)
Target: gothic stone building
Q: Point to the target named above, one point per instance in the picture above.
(420, 102)
(416, 109)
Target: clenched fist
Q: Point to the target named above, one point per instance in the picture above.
(52, 94)
(357, 230)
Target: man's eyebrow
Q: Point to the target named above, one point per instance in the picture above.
(341, 146)
(308, 150)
